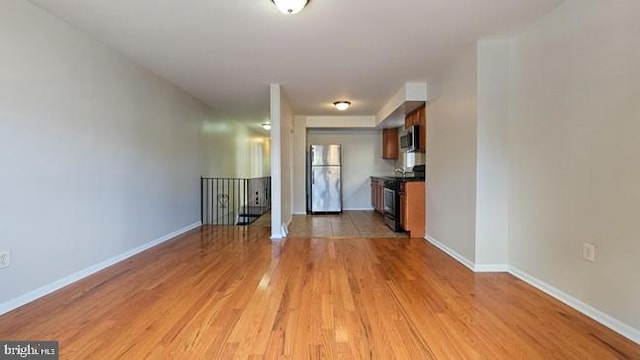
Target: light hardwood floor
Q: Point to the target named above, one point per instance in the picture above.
(229, 292)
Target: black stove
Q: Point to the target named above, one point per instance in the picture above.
(393, 184)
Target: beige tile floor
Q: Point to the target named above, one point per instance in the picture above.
(367, 224)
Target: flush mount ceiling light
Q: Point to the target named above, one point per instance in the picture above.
(266, 126)
(290, 7)
(342, 105)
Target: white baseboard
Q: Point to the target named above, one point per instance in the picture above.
(480, 268)
(597, 315)
(284, 231)
(276, 233)
(58, 284)
(454, 254)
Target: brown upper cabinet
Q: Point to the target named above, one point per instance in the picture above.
(412, 118)
(418, 117)
(390, 143)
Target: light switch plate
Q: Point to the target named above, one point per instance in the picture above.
(589, 252)
(5, 259)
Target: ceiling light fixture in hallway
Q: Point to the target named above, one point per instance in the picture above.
(342, 105)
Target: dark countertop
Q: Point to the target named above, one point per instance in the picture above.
(398, 178)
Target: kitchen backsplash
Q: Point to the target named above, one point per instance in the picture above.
(407, 160)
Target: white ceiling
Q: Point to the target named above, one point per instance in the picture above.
(226, 53)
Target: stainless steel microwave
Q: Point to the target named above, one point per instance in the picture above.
(410, 141)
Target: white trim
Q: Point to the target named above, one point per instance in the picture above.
(299, 213)
(459, 258)
(58, 284)
(588, 310)
(276, 165)
(479, 268)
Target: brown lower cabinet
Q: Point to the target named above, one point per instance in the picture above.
(412, 208)
(403, 205)
(377, 194)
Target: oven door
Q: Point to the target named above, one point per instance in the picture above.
(391, 208)
(389, 202)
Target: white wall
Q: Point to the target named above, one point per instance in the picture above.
(492, 162)
(299, 166)
(98, 155)
(361, 158)
(451, 156)
(568, 85)
(233, 149)
(276, 162)
(282, 160)
(286, 169)
(467, 156)
(574, 149)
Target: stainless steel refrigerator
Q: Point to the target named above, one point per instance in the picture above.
(324, 185)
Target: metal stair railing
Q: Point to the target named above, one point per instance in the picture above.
(234, 201)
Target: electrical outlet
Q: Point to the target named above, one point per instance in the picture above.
(5, 259)
(589, 252)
